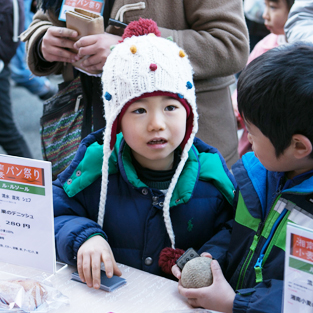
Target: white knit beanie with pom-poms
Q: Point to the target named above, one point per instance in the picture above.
(142, 65)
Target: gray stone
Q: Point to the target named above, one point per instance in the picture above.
(197, 273)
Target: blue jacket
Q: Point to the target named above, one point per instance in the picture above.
(133, 222)
(254, 263)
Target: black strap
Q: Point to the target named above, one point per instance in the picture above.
(93, 104)
(87, 120)
(107, 12)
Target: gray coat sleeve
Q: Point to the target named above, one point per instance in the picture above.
(217, 40)
(299, 25)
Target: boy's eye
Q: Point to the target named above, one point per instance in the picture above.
(272, 5)
(170, 108)
(139, 111)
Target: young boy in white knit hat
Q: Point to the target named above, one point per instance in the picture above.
(147, 184)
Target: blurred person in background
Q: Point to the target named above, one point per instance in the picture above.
(11, 25)
(20, 73)
(275, 16)
(253, 10)
(299, 25)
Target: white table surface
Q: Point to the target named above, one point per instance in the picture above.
(143, 292)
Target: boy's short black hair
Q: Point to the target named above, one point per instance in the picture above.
(289, 2)
(275, 93)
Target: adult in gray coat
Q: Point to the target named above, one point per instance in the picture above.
(213, 34)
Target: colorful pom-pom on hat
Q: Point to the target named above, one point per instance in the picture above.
(133, 49)
(107, 96)
(153, 67)
(157, 67)
(182, 54)
(140, 28)
(189, 85)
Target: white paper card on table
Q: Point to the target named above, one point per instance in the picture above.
(26, 213)
(93, 6)
(298, 282)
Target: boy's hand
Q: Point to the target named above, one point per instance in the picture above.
(176, 271)
(55, 44)
(218, 297)
(97, 47)
(89, 257)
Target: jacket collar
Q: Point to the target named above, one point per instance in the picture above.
(259, 187)
(206, 165)
(203, 165)
(185, 184)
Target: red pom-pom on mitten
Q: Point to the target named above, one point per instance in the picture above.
(168, 257)
(140, 28)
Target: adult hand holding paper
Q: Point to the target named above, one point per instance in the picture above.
(57, 44)
(93, 44)
(85, 23)
(93, 50)
(89, 257)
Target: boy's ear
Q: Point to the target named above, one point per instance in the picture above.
(302, 146)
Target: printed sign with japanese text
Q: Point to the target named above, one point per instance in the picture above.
(93, 6)
(298, 282)
(26, 213)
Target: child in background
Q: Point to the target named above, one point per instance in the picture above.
(125, 198)
(299, 25)
(275, 95)
(275, 16)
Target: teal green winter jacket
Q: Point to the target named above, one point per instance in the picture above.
(133, 222)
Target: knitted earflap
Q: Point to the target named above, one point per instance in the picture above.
(140, 66)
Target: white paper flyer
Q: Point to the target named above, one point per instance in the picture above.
(93, 6)
(26, 213)
(298, 282)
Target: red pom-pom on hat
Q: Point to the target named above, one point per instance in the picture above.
(153, 67)
(140, 28)
(168, 258)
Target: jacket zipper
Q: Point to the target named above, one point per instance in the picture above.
(249, 256)
(266, 248)
(258, 264)
(256, 240)
(253, 247)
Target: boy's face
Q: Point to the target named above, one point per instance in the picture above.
(265, 151)
(153, 128)
(275, 16)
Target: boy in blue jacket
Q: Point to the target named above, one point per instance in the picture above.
(127, 196)
(275, 97)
